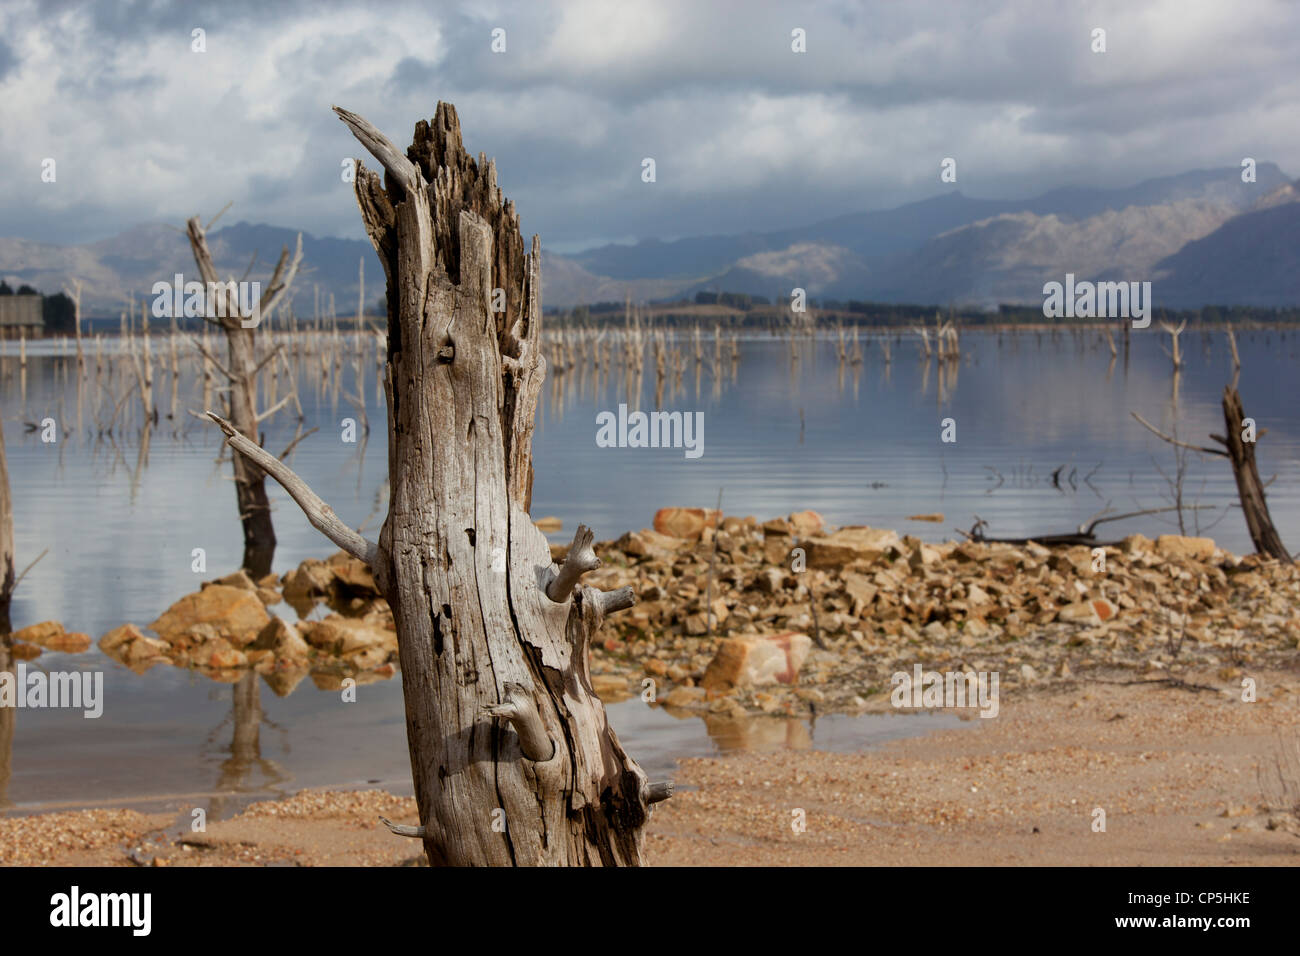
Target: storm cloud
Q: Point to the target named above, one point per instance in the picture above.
(746, 134)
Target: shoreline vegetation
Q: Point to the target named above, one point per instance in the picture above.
(759, 316)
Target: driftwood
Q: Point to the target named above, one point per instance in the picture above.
(513, 758)
(241, 371)
(1241, 454)
(1085, 534)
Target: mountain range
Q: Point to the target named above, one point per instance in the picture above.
(1202, 237)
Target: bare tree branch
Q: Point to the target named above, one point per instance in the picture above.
(578, 561)
(402, 829)
(321, 515)
(210, 357)
(1174, 441)
(403, 171)
(218, 215)
(520, 709)
(263, 416)
(294, 444)
(281, 279)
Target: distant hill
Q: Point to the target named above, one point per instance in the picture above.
(1252, 259)
(1203, 237)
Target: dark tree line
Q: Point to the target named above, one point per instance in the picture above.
(57, 311)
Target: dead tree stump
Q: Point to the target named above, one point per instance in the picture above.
(1241, 453)
(1250, 490)
(512, 755)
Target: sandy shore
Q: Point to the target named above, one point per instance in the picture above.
(1185, 776)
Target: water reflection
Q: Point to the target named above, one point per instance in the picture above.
(245, 751)
(1045, 440)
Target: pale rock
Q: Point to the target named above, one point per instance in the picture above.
(1179, 546)
(804, 524)
(850, 544)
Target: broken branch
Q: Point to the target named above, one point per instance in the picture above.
(520, 710)
(1174, 441)
(617, 600)
(321, 515)
(403, 829)
(578, 561)
(401, 169)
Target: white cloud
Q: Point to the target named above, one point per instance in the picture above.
(746, 133)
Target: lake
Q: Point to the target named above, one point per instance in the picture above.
(781, 432)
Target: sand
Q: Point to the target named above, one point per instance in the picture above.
(1184, 776)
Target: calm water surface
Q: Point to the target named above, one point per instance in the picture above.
(860, 445)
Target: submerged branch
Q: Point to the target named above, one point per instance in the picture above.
(1174, 441)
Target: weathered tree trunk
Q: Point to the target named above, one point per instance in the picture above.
(513, 759)
(8, 715)
(1249, 488)
(1241, 453)
(6, 540)
(241, 404)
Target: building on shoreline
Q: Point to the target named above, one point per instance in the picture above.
(20, 313)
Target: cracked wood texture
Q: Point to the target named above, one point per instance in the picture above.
(462, 383)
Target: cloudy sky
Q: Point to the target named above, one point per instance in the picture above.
(745, 133)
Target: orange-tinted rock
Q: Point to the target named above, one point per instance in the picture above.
(756, 660)
(647, 543)
(355, 577)
(235, 614)
(807, 523)
(69, 642)
(38, 634)
(341, 635)
(143, 649)
(281, 637)
(118, 636)
(686, 523)
(219, 655)
(238, 579)
(309, 582)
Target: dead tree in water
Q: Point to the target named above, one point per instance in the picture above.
(7, 580)
(493, 637)
(1240, 451)
(1174, 352)
(8, 715)
(241, 373)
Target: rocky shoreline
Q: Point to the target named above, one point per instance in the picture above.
(783, 617)
(874, 604)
